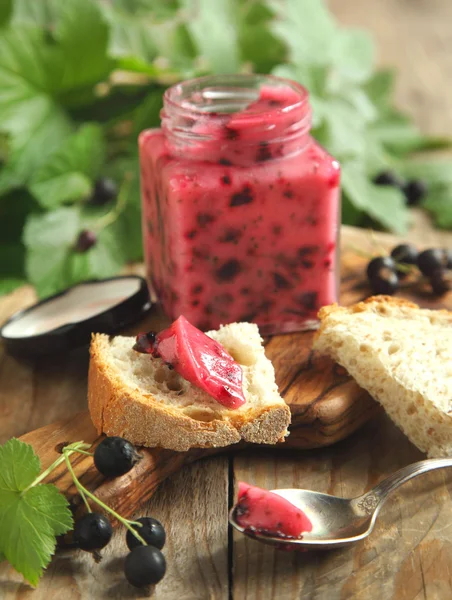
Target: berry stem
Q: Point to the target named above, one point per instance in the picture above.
(77, 483)
(114, 213)
(83, 452)
(400, 266)
(70, 449)
(83, 491)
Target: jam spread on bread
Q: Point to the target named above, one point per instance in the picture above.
(268, 513)
(197, 358)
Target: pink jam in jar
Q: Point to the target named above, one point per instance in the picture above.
(240, 205)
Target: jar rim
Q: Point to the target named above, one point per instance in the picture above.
(174, 96)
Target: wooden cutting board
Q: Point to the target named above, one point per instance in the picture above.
(326, 404)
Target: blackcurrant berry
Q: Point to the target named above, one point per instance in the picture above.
(93, 531)
(414, 191)
(145, 565)
(387, 178)
(378, 263)
(152, 532)
(384, 281)
(404, 254)
(105, 191)
(86, 240)
(430, 260)
(115, 456)
(441, 281)
(145, 342)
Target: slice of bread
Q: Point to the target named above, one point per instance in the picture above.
(402, 355)
(138, 397)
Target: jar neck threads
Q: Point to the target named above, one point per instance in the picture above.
(236, 119)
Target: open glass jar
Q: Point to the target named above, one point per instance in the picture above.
(240, 205)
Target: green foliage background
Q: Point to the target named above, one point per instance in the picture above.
(80, 78)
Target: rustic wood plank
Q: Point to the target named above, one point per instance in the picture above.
(408, 552)
(64, 384)
(193, 507)
(414, 36)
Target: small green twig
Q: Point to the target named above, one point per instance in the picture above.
(114, 213)
(83, 452)
(77, 483)
(84, 491)
(75, 447)
(403, 267)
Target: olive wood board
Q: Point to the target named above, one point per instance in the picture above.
(326, 405)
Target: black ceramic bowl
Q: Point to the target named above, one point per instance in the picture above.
(67, 320)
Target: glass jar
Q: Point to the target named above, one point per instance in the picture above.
(240, 205)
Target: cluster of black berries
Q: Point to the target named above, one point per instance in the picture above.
(144, 565)
(385, 272)
(413, 189)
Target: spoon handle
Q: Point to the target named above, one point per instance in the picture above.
(373, 500)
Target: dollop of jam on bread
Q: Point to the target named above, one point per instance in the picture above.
(197, 358)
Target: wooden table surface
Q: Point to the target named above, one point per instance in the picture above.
(409, 555)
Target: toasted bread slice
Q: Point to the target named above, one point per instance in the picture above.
(402, 355)
(138, 397)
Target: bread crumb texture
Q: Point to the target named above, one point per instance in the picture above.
(402, 355)
(141, 398)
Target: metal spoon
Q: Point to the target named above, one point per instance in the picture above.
(338, 522)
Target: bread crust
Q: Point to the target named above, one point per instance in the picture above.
(117, 409)
(428, 426)
(369, 304)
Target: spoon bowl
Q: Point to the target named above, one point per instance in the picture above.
(338, 522)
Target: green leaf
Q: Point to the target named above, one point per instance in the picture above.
(30, 517)
(439, 205)
(129, 224)
(351, 215)
(341, 132)
(384, 204)
(380, 87)
(52, 263)
(213, 29)
(28, 113)
(49, 238)
(434, 172)
(19, 466)
(127, 228)
(29, 522)
(5, 11)
(137, 38)
(82, 36)
(131, 36)
(14, 208)
(176, 48)
(9, 284)
(31, 12)
(257, 43)
(12, 266)
(119, 104)
(148, 114)
(68, 174)
(307, 28)
(353, 56)
(160, 10)
(437, 174)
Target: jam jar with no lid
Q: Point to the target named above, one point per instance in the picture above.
(240, 205)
